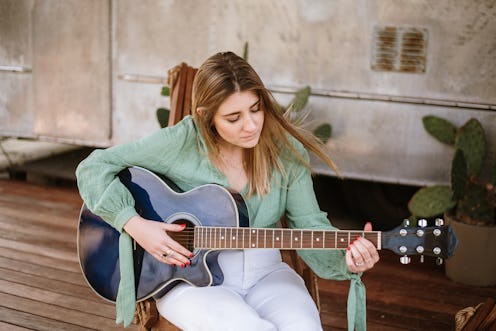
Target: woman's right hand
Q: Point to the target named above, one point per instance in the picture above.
(153, 237)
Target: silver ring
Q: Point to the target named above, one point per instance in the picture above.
(168, 253)
(358, 264)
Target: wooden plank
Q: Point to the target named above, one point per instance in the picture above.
(69, 196)
(59, 252)
(42, 271)
(53, 285)
(57, 298)
(36, 231)
(28, 257)
(19, 320)
(10, 327)
(43, 215)
(58, 313)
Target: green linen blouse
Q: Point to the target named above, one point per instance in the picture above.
(179, 153)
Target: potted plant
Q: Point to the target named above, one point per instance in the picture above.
(468, 204)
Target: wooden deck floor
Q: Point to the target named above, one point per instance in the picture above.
(42, 288)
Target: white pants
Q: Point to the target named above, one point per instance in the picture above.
(259, 292)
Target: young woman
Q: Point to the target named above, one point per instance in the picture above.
(237, 137)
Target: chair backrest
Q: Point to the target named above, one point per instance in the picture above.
(181, 85)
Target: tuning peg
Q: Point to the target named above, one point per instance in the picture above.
(439, 260)
(405, 259)
(406, 223)
(439, 222)
(421, 259)
(422, 223)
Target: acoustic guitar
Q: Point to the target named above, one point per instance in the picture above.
(217, 219)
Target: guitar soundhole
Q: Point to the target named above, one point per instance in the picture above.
(186, 236)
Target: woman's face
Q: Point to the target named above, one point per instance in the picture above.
(239, 119)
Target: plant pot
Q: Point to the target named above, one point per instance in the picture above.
(474, 262)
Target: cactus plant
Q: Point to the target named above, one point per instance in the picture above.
(471, 197)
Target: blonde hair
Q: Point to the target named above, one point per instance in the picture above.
(226, 73)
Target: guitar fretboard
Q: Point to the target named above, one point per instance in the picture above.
(206, 237)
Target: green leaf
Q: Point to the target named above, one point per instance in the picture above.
(165, 91)
(431, 201)
(439, 128)
(245, 51)
(300, 99)
(323, 132)
(163, 117)
(471, 140)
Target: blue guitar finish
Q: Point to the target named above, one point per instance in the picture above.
(160, 200)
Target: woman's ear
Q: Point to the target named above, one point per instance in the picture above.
(199, 111)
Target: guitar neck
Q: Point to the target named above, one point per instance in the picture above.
(206, 237)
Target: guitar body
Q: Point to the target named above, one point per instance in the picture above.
(159, 200)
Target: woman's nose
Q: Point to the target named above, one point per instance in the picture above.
(250, 123)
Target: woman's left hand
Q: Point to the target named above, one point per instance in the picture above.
(361, 255)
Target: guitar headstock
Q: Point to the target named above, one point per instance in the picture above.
(438, 241)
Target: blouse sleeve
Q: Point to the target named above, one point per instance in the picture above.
(303, 211)
(97, 179)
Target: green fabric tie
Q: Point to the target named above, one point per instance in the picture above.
(357, 319)
(126, 295)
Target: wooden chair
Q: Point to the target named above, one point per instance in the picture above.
(180, 80)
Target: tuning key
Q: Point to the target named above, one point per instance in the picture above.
(422, 223)
(405, 259)
(439, 260)
(439, 222)
(406, 223)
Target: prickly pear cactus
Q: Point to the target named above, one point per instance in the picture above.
(431, 201)
(472, 195)
(439, 128)
(476, 206)
(300, 99)
(471, 140)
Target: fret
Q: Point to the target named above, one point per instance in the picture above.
(222, 237)
(195, 237)
(211, 243)
(277, 243)
(273, 234)
(306, 239)
(215, 238)
(265, 238)
(340, 241)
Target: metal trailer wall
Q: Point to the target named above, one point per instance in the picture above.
(90, 72)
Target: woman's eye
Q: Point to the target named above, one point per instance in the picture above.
(232, 119)
(254, 110)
